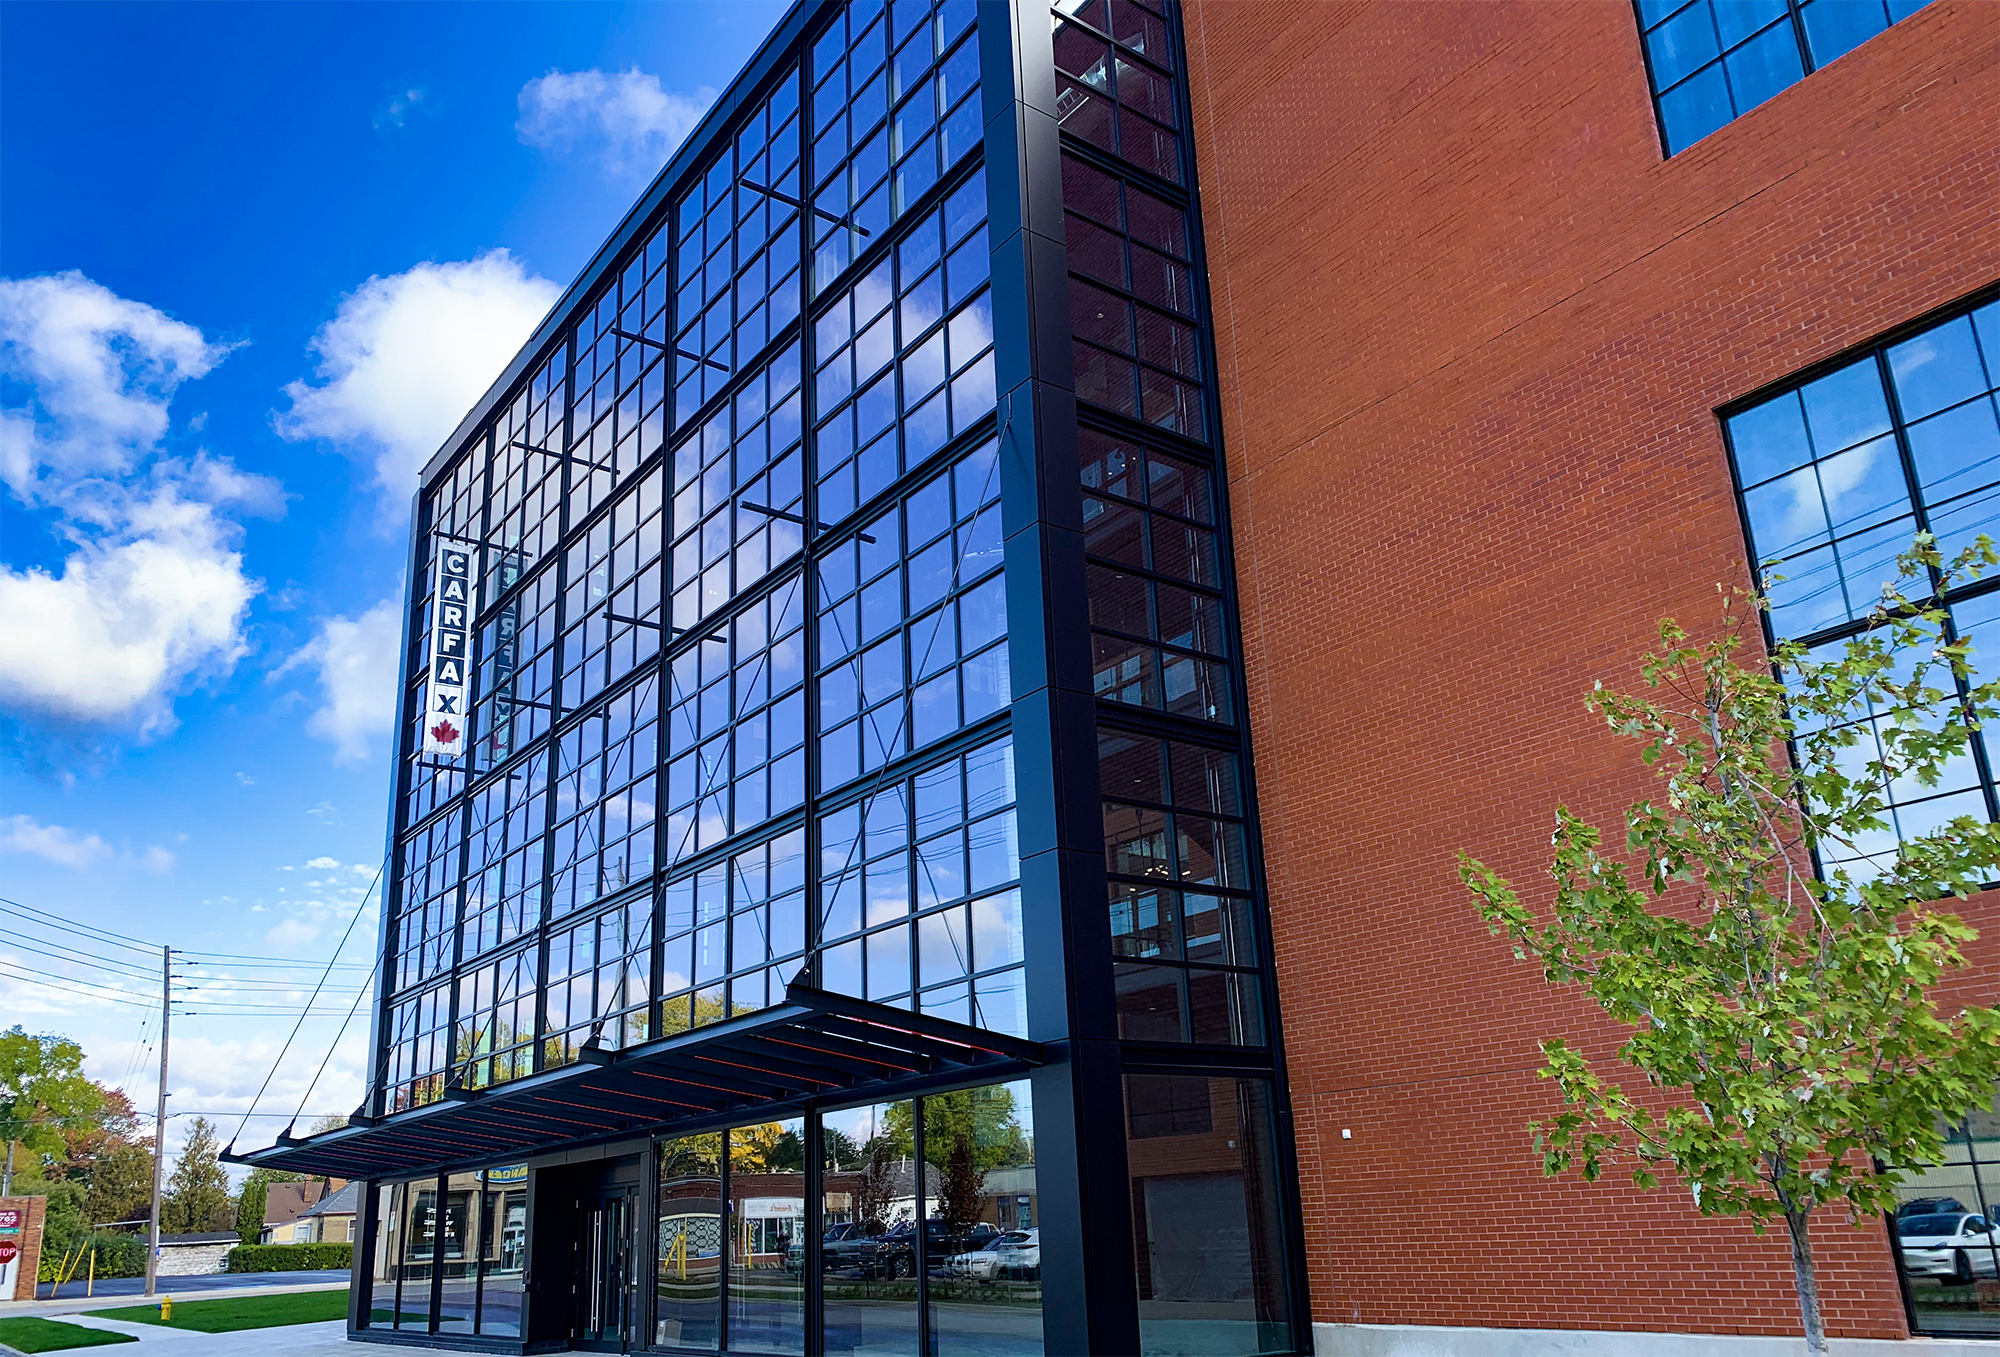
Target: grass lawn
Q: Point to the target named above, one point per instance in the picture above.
(28, 1334)
(245, 1312)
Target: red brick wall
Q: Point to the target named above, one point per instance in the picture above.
(1472, 331)
(34, 1215)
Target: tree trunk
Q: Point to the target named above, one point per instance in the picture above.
(1806, 1278)
(7, 1181)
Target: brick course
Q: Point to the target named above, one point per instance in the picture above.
(1472, 330)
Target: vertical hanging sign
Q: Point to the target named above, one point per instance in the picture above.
(451, 630)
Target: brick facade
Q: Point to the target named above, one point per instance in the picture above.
(1472, 329)
(28, 1238)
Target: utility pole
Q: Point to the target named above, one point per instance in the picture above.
(160, 1116)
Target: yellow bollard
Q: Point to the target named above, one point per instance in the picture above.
(90, 1283)
(166, 1308)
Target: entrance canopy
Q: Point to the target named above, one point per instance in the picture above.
(812, 1047)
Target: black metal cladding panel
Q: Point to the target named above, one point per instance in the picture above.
(813, 1047)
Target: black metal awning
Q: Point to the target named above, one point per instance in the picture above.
(812, 1047)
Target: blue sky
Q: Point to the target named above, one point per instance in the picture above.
(256, 260)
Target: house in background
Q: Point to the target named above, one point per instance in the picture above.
(285, 1205)
(330, 1220)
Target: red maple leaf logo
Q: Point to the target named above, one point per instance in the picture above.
(445, 732)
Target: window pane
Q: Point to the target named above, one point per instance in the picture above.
(687, 1290)
(1207, 1237)
(869, 1214)
(986, 1258)
(504, 1248)
(1764, 65)
(767, 1213)
(458, 1254)
(1836, 27)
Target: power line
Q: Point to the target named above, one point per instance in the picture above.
(86, 930)
(78, 959)
(231, 956)
(383, 866)
(88, 994)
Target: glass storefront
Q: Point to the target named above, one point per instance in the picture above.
(1208, 1248)
(1946, 1233)
(450, 1254)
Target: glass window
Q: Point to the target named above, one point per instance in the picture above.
(418, 1260)
(1114, 81)
(508, 858)
(1712, 61)
(920, 904)
(912, 623)
(736, 273)
(688, 1237)
(736, 726)
(418, 1028)
(904, 356)
(738, 494)
(1942, 1235)
(1830, 499)
(1159, 634)
(1182, 916)
(605, 765)
(1206, 1223)
(1132, 301)
(503, 1251)
(985, 1278)
(598, 982)
(735, 934)
(894, 107)
(458, 1254)
(496, 1020)
(767, 1215)
(869, 1209)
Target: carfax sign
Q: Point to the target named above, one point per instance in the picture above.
(451, 650)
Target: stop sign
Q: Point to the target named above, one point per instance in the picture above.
(9, 1251)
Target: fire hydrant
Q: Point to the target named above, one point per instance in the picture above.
(166, 1308)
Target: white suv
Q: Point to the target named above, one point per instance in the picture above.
(1952, 1246)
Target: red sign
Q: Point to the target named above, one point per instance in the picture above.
(10, 1220)
(9, 1251)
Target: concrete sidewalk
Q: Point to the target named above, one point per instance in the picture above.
(69, 1305)
(321, 1339)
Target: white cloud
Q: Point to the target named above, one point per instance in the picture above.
(406, 356)
(395, 110)
(291, 933)
(158, 859)
(132, 614)
(321, 864)
(356, 660)
(152, 591)
(64, 847)
(634, 121)
(102, 369)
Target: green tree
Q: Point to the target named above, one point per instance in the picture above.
(1786, 1016)
(250, 1204)
(197, 1196)
(43, 1095)
(121, 1185)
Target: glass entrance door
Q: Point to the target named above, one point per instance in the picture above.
(604, 1296)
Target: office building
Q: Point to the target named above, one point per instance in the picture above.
(945, 682)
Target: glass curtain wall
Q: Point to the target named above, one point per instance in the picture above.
(450, 1254)
(739, 692)
(1190, 961)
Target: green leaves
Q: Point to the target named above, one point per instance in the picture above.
(1782, 1017)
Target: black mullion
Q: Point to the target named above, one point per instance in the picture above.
(551, 743)
(920, 1245)
(1914, 485)
(724, 1218)
(811, 1220)
(437, 1251)
(1798, 21)
(1652, 80)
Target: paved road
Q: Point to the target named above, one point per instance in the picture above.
(180, 1286)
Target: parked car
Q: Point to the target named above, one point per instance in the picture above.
(1019, 1253)
(1002, 1254)
(850, 1235)
(1930, 1206)
(1952, 1246)
(896, 1251)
